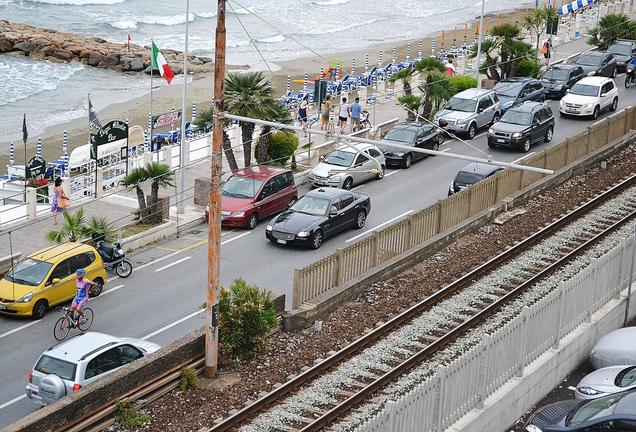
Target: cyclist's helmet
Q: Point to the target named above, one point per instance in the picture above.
(80, 272)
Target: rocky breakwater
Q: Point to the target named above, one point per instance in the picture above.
(45, 44)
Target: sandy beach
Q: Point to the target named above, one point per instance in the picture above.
(200, 89)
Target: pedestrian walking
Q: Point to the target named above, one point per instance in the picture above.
(356, 112)
(60, 200)
(343, 114)
(546, 50)
(450, 68)
(324, 113)
(303, 113)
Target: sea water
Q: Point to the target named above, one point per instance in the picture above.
(281, 29)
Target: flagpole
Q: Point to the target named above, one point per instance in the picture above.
(152, 66)
(25, 137)
(181, 186)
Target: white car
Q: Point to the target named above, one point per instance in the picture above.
(69, 366)
(348, 166)
(617, 348)
(605, 381)
(589, 97)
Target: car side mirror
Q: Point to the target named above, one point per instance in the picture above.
(321, 158)
(480, 110)
(55, 281)
(567, 90)
(333, 211)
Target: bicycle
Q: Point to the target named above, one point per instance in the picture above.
(64, 325)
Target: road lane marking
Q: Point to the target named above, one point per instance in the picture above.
(156, 260)
(169, 326)
(445, 150)
(378, 226)
(113, 289)
(235, 238)
(523, 157)
(12, 401)
(17, 329)
(167, 266)
(391, 173)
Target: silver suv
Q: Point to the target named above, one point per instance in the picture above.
(348, 165)
(468, 111)
(71, 365)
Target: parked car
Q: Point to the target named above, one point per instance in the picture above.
(411, 134)
(617, 348)
(255, 193)
(72, 365)
(471, 174)
(468, 111)
(514, 91)
(47, 278)
(589, 97)
(559, 78)
(348, 166)
(604, 381)
(597, 63)
(623, 50)
(615, 413)
(319, 214)
(522, 126)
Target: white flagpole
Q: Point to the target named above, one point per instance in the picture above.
(181, 188)
(151, 74)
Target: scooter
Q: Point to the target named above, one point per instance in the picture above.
(630, 76)
(114, 257)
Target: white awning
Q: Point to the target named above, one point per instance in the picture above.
(575, 5)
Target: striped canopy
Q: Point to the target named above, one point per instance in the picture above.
(575, 5)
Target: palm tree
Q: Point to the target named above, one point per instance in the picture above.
(537, 20)
(160, 175)
(205, 118)
(135, 179)
(98, 227)
(244, 95)
(430, 64)
(274, 111)
(71, 229)
(503, 54)
(411, 104)
(610, 28)
(404, 75)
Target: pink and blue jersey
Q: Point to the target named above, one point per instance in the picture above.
(82, 290)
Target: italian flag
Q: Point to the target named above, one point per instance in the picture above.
(159, 62)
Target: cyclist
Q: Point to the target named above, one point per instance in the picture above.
(81, 297)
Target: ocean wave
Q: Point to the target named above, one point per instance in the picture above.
(273, 39)
(242, 11)
(238, 43)
(164, 20)
(209, 14)
(79, 2)
(342, 28)
(330, 2)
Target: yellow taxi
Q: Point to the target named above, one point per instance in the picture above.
(47, 277)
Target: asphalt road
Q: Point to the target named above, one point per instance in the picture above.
(161, 301)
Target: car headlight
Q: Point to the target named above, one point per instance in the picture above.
(462, 122)
(25, 298)
(304, 234)
(237, 214)
(269, 228)
(533, 428)
(508, 104)
(591, 73)
(335, 178)
(588, 105)
(588, 391)
(398, 154)
(491, 131)
(516, 135)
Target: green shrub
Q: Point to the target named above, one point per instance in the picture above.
(527, 68)
(460, 83)
(281, 147)
(127, 414)
(189, 380)
(246, 314)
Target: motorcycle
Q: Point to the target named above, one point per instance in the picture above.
(114, 257)
(630, 76)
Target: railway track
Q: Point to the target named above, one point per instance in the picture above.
(329, 391)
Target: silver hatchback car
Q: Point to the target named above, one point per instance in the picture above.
(347, 166)
(69, 366)
(468, 111)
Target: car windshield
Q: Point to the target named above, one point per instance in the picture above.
(556, 74)
(52, 365)
(589, 60)
(465, 178)
(459, 104)
(311, 205)
(620, 49)
(508, 89)
(29, 271)
(401, 135)
(593, 409)
(241, 187)
(339, 158)
(516, 117)
(584, 89)
(627, 377)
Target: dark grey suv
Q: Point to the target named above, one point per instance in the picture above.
(522, 126)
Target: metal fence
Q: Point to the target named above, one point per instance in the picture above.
(454, 390)
(353, 261)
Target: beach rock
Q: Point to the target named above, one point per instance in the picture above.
(46, 50)
(196, 61)
(94, 59)
(137, 65)
(27, 47)
(5, 45)
(98, 40)
(63, 54)
(108, 61)
(15, 54)
(76, 49)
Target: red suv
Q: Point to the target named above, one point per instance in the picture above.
(256, 193)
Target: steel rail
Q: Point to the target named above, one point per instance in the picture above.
(250, 411)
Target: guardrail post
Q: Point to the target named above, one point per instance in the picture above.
(408, 233)
(481, 377)
(438, 219)
(559, 320)
(521, 361)
(441, 390)
(296, 289)
(375, 249)
(31, 202)
(336, 269)
(99, 182)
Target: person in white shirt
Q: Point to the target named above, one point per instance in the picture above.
(343, 114)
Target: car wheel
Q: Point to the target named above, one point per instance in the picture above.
(361, 219)
(380, 175)
(348, 183)
(317, 239)
(548, 135)
(525, 147)
(614, 104)
(253, 220)
(596, 112)
(492, 145)
(408, 161)
(472, 130)
(39, 309)
(440, 139)
(95, 291)
(496, 118)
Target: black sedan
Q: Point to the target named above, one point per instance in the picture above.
(616, 412)
(319, 214)
(597, 63)
(561, 77)
(410, 134)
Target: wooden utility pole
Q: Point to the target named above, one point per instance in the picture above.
(214, 225)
